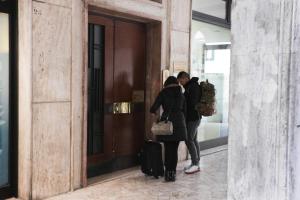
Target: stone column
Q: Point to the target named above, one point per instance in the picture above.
(264, 95)
(52, 94)
(180, 26)
(24, 98)
(293, 173)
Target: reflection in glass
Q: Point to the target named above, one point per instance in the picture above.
(4, 99)
(216, 8)
(211, 60)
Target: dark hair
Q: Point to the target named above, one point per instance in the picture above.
(183, 74)
(170, 80)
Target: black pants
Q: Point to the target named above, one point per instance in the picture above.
(171, 155)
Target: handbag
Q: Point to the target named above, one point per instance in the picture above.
(164, 127)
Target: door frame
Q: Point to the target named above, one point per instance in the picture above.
(10, 7)
(153, 69)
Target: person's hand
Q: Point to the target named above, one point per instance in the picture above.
(155, 116)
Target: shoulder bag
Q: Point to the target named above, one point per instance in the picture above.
(164, 127)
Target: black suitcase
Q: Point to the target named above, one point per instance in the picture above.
(151, 159)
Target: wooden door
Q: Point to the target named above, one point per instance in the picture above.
(116, 110)
(129, 86)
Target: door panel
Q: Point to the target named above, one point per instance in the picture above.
(129, 73)
(99, 119)
(123, 75)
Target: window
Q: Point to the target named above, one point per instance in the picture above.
(7, 101)
(210, 60)
(4, 98)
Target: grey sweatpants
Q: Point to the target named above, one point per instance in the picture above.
(192, 141)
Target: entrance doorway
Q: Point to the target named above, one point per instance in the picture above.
(116, 93)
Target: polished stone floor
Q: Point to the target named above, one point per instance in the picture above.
(209, 184)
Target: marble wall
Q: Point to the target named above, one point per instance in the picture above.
(52, 97)
(294, 110)
(180, 26)
(263, 152)
(25, 98)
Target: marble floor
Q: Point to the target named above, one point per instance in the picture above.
(209, 184)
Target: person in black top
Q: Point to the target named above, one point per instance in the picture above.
(172, 101)
(193, 118)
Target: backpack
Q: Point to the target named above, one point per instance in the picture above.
(206, 105)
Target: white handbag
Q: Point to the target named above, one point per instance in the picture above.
(162, 128)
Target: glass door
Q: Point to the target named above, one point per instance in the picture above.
(210, 57)
(8, 94)
(4, 99)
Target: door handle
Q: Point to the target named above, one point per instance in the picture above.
(122, 108)
(115, 108)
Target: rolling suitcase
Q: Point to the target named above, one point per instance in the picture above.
(151, 159)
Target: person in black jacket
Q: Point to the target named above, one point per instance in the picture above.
(172, 101)
(193, 118)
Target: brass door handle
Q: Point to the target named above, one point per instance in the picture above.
(115, 108)
(122, 107)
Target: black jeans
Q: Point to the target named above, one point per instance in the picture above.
(171, 155)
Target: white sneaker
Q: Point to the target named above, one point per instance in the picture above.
(187, 167)
(193, 169)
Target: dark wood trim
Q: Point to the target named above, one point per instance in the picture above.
(10, 190)
(213, 143)
(210, 19)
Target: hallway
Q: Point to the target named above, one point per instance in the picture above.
(209, 184)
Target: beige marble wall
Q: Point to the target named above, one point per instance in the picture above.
(25, 98)
(52, 100)
(179, 42)
(51, 53)
(51, 149)
(180, 25)
(51, 81)
(78, 61)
